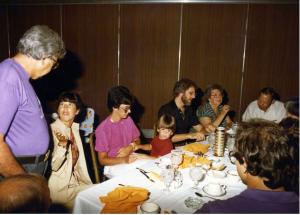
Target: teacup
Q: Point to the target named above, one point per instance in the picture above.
(218, 165)
(215, 189)
(150, 208)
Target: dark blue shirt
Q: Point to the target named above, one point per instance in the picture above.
(255, 201)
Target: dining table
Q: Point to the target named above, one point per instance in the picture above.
(173, 201)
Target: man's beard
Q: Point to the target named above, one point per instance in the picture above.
(185, 101)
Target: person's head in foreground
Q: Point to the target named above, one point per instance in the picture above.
(264, 159)
(27, 193)
(265, 162)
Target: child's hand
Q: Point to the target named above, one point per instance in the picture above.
(135, 146)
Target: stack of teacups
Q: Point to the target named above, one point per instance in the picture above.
(219, 142)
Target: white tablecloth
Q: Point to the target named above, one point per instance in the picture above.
(88, 201)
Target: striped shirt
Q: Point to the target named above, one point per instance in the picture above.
(207, 111)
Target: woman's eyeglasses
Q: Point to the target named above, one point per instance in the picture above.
(125, 109)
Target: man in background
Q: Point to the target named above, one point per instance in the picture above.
(24, 137)
(265, 107)
(185, 116)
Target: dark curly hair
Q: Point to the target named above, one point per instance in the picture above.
(210, 88)
(182, 85)
(263, 145)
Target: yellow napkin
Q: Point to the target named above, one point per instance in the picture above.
(192, 161)
(196, 147)
(124, 199)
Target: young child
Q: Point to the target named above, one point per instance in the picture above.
(161, 144)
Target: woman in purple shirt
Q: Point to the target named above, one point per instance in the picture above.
(117, 134)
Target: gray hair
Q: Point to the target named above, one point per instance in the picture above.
(40, 41)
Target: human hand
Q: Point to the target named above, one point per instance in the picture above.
(132, 158)
(210, 128)
(62, 139)
(125, 151)
(225, 109)
(135, 146)
(197, 135)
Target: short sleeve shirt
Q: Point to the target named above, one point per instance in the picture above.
(207, 111)
(161, 147)
(184, 121)
(22, 120)
(111, 136)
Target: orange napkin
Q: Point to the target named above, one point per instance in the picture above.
(196, 147)
(192, 161)
(124, 199)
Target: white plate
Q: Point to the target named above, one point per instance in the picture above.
(232, 172)
(205, 190)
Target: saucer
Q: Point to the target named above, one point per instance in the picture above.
(232, 172)
(216, 174)
(205, 190)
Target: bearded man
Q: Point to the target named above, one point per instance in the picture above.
(180, 108)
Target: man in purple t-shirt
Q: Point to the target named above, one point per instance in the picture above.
(24, 137)
(267, 163)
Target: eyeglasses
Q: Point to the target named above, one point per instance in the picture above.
(56, 63)
(125, 109)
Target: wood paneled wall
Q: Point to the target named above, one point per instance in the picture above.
(149, 55)
(3, 34)
(147, 47)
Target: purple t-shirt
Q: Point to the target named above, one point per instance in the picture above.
(22, 119)
(255, 201)
(111, 136)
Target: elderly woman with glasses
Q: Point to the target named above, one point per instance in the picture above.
(213, 113)
(267, 164)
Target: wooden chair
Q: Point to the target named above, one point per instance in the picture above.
(87, 126)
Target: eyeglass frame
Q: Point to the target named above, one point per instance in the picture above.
(125, 109)
(56, 62)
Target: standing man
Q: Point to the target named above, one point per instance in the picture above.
(24, 137)
(265, 107)
(180, 108)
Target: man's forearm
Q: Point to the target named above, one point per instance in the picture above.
(8, 164)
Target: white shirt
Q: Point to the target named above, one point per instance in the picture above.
(276, 112)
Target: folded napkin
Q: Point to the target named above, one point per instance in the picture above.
(196, 147)
(124, 199)
(192, 161)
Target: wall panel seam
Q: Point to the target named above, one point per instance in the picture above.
(243, 62)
